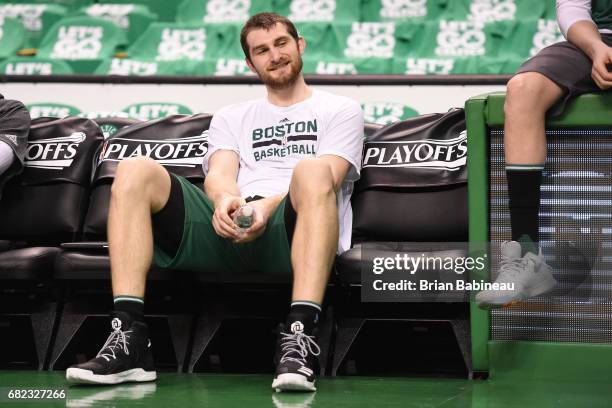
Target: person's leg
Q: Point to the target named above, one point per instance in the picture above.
(315, 238)
(141, 188)
(313, 249)
(544, 85)
(529, 96)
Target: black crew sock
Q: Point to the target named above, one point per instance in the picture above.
(131, 305)
(524, 183)
(305, 312)
(527, 245)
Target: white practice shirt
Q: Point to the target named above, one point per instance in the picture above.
(271, 140)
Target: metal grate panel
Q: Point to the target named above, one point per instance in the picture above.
(575, 230)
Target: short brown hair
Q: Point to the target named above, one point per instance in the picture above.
(264, 21)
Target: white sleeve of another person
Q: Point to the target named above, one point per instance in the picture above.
(572, 11)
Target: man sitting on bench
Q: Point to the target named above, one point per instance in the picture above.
(293, 156)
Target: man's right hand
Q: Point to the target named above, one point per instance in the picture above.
(222, 221)
(602, 59)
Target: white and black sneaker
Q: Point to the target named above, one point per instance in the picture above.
(125, 357)
(296, 360)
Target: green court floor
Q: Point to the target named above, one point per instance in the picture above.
(244, 391)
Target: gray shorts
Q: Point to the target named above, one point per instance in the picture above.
(569, 67)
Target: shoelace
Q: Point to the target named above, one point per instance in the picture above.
(511, 267)
(299, 344)
(117, 336)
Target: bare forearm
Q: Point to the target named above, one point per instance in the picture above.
(217, 186)
(270, 203)
(584, 35)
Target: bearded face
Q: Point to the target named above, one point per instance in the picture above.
(282, 73)
(276, 57)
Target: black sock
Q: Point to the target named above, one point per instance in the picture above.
(305, 312)
(524, 183)
(131, 305)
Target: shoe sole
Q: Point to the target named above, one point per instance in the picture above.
(81, 376)
(292, 382)
(545, 283)
(497, 304)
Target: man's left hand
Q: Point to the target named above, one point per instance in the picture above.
(602, 59)
(263, 209)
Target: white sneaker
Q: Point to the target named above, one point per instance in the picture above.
(530, 276)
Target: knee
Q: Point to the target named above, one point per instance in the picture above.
(313, 178)
(523, 93)
(133, 176)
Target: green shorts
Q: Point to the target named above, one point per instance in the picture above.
(201, 249)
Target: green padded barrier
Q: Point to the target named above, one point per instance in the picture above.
(164, 9)
(133, 19)
(478, 210)
(319, 10)
(547, 361)
(37, 19)
(586, 110)
(82, 41)
(220, 11)
(575, 197)
(12, 37)
(34, 66)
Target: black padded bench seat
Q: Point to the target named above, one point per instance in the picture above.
(28, 263)
(95, 265)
